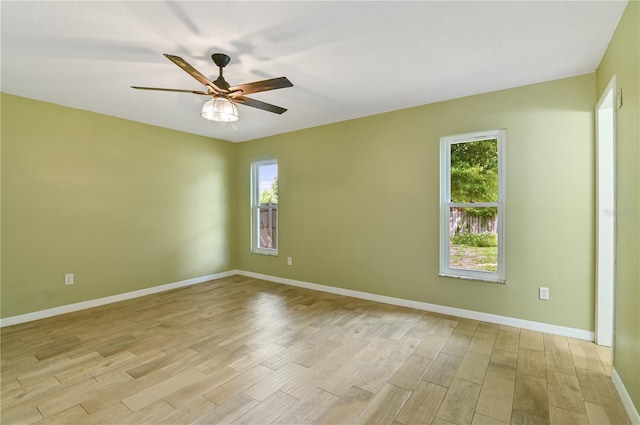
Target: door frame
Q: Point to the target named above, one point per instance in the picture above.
(605, 114)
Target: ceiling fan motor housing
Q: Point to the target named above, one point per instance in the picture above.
(220, 59)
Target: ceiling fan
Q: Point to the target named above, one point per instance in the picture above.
(221, 107)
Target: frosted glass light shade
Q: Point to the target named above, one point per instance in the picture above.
(219, 109)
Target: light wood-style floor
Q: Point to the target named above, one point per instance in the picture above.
(245, 351)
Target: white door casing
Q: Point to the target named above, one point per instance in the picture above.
(605, 213)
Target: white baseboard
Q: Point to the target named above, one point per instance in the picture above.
(56, 311)
(452, 311)
(632, 412)
(458, 312)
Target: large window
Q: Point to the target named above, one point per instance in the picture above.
(472, 205)
(264, 196)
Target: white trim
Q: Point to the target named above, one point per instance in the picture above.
(632, 412)
(605, 214)
(477, 279)
(56, 311)
(255, 209)
(418, 305)
(446, 204)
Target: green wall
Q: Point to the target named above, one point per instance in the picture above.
(622, 58)
(104, 198)
(122, 205)
(359, 202)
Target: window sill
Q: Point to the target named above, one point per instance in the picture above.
(265, 252)
(479, 279)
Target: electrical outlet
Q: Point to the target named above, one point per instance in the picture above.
(289, 261)
(68, 279)
(544, 293)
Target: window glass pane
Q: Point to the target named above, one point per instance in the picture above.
(473, 238)
(268, 184)
(268, 217)
(474, 171)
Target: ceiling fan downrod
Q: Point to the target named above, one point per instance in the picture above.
(221, 60)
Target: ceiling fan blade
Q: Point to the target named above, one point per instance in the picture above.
(174, 90)
(258, 86)
(258, 104)
(193, 72)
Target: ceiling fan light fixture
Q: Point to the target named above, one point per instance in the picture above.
(219, 109)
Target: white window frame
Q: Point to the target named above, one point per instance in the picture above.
(255, 210)
(445, 204)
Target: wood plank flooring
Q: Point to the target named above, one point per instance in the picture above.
(244, 351)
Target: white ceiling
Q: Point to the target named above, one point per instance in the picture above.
(345, 59)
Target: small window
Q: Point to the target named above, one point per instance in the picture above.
(264, 195)
(472, 205)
